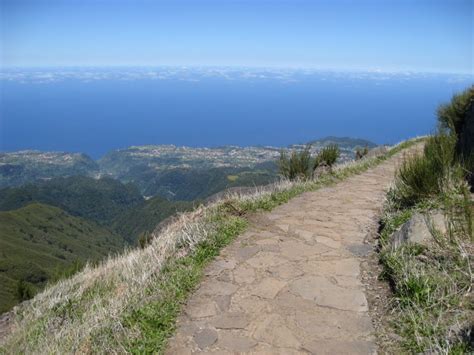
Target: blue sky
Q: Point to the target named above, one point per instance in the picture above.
(385, 35)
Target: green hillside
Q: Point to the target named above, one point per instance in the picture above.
(193, 184)
(105, 201)
(147, 216)
(38, 242)
(100, 200)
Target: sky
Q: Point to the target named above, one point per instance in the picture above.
(402, 35)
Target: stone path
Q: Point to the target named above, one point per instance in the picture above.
(292, 283)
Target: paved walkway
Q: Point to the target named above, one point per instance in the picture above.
(292, 283)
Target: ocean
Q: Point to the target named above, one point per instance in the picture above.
(95, 110)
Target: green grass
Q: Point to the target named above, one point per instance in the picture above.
(430, 291)
(431, 283)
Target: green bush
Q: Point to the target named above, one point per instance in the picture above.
(297, 165)
(415, 180)
(423, 176)
(65, 272)
(360, 153)
(23, 291)
(144, 239)
(327, 156)
(451, 116)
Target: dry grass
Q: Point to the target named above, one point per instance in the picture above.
(86, 312)
(63, 316)
(432, 283)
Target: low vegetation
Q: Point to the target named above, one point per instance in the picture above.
(300, 165)
(361, 152)
(433, 303)
(452, 115)
(297, 165)
(327, 156)
(130, 302)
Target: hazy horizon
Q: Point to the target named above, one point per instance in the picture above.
(96, 110)
(92, 76)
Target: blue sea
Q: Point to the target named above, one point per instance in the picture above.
(95, 110)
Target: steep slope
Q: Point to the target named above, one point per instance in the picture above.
(145, 217)
(105, 201)
(100, 200)
(197, 183)
(38, 242)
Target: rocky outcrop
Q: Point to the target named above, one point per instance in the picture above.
(420, 229)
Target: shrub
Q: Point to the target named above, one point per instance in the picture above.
(415, 180)
(451, 116)
(327, 156)
(144, 239)
(65, 272)
(360, 153)
(23, 291)
(468, 167)
(297, 166)
(423, 176)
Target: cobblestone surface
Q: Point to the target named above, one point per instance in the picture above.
(291, 284)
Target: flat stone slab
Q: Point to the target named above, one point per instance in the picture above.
(235, 343)
(323, 292)
(268, 288)
(291, 283)
(341, 347)
(230, 321)
(205, 337)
